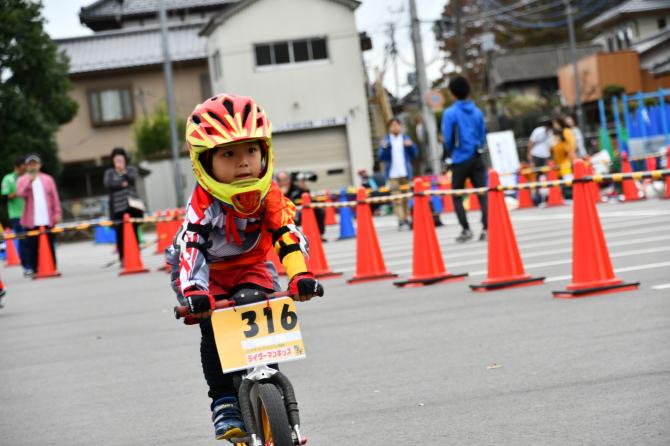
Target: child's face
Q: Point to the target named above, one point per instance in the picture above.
(237, 162)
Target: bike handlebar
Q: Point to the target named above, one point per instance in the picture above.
(181, 311)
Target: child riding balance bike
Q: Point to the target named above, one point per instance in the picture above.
(235, 214)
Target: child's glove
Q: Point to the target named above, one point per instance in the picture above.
(304, 286)
(199, 302)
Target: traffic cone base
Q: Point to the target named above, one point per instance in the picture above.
(137, 271)
(327, 275)
(372, 278)
(605, 289)
(46, 275)
(513, 283)
(422, 281)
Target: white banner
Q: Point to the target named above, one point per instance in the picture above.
(504, 157)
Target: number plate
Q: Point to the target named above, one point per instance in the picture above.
(255, 334)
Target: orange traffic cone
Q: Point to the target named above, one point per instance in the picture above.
(651, 163)
(592, 271)
(555, 194)
(13, 258)
(505, 268)
(317, 263)
(630, 191)
(525, 197)
(132, 262)
(172, 224)
(369, 260)
(46, 266)
(428, 266)
(274, 258)
(473, 199)
(447, 200)
(329, 217)
(162, 239)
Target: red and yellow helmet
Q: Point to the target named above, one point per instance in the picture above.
(228, 119)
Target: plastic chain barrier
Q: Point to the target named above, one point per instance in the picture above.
(615, 177)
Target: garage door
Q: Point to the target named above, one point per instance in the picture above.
(322, 151)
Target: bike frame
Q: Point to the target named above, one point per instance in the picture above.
(247, 394)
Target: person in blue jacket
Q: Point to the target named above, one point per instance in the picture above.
(464, 133)
(397, 151)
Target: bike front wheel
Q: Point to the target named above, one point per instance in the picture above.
(273, 419)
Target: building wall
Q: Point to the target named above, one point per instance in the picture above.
(319, 90)
(597, 72)
(649, 25)
(80, 141)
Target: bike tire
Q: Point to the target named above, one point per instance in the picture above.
(272, 405)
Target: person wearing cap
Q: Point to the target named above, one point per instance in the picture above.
(15, 205)
(42, 204)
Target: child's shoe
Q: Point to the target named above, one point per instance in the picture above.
(227, 418)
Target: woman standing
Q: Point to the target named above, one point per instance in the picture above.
(565, 147)
(120, 181)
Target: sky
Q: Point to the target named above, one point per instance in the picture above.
(373, 16)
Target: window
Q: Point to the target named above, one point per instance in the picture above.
(215, 61)
(281, 53)
(111, 106)
(301, 50)
(205, 86)
(263, 55)
(319, 49)
(662, 23)
(294, 51)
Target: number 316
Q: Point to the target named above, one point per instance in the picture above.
(288, 320)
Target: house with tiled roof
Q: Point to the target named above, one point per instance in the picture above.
(117, 74)
(302, 60)
(635, 36)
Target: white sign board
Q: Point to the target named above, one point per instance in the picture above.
(504, 157)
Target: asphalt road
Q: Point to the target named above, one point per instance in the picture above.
(95, 359)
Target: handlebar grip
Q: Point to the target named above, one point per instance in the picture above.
(181, 311)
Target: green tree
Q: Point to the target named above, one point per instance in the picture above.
(33, 86)
(152, 133)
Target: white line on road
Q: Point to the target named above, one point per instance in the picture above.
(661, 287)
(568, 261)
(622, 270)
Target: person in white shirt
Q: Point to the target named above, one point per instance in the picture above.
(539, 151)
(42, 208)
(579, 137)
(539, 144)
(397, 151)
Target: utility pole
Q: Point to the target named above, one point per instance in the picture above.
(573, 55)
(422, 84)
(393, 51)
(167, 71)
(460, 51)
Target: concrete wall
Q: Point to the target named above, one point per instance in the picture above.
(79, 140)
(159, 190)
(332, 88)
